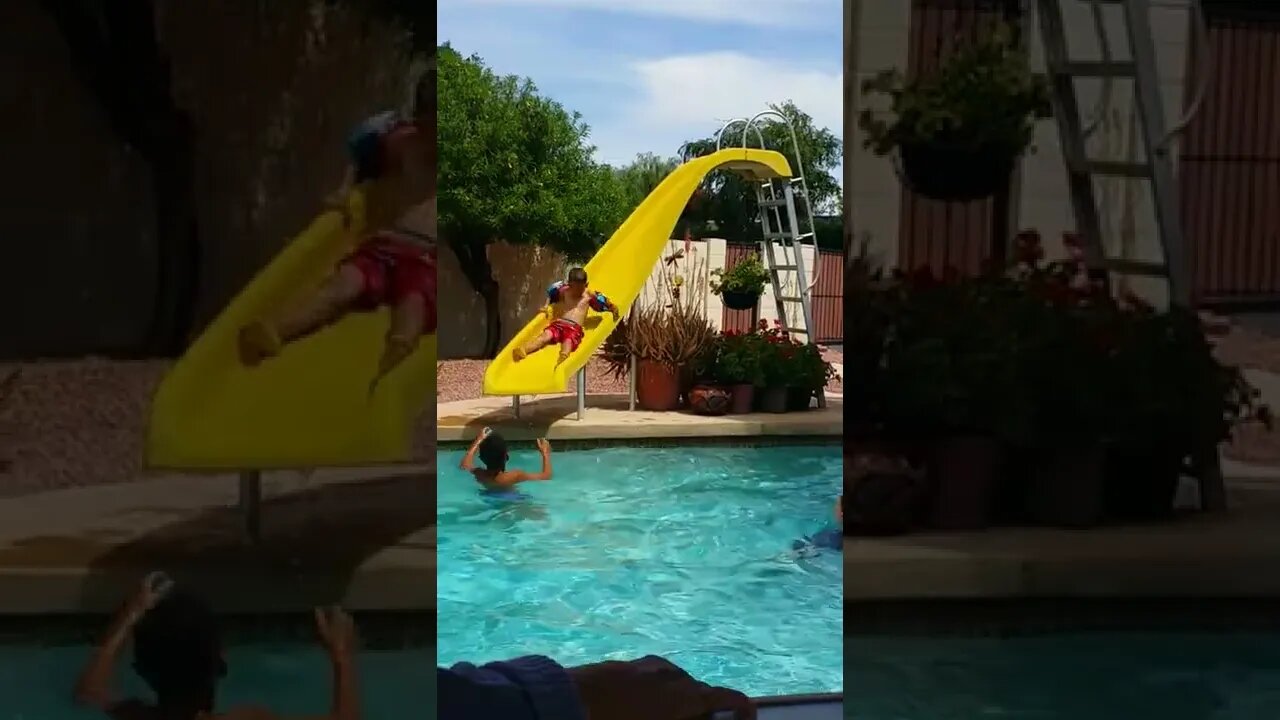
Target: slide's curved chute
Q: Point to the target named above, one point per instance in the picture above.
(620, 270)
(308, 407)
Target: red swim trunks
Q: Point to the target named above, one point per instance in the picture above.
(393, 269)
(566, 331)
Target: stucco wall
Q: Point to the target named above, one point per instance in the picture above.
(272, 90)
(76, 263)
(523, 273)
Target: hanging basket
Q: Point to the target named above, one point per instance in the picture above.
(955, 174)
(739, 300)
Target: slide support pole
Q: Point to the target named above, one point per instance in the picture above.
(251, 504)
(631, 385)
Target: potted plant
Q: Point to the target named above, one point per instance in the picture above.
(1176, 402)
(778, 357)
(945, 385)
(1062, 334)
(707, 393)
(811, 375)
(667, 341)
(740, 286)
(958, 131)
(738, 367)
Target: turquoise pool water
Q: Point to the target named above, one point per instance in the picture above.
(1104, 676)
(682, 552)
(291, 678)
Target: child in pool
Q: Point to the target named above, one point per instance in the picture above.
(494, 476)
(393, 267)
(568, 301)
(829, 538)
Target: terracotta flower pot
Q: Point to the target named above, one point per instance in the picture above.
(744, 394)
(739, 300)
(709, 400)
(657, 386)
(964, 472)
(1065, 487)
(774, 399)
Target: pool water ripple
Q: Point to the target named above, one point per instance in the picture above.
(683, 552)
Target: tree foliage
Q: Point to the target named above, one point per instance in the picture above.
(729, 208)
(515, 166)
(642, 175)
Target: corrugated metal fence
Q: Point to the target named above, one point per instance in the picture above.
(1230, 159)
(941, 234)
(828, 295)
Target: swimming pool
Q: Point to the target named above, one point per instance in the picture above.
(1083, 676)
(684, 552)
(291, 678)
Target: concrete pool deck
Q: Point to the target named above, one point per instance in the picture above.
(1229, 554)
(607, 418)
(361, 537)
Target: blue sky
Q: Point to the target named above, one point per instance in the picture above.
(648, 75)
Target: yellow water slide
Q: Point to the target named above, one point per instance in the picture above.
(308, 407)
(620, 270)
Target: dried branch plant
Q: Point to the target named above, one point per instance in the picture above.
(667, 325)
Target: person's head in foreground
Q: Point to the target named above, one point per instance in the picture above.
(493, 452)
(177, 650)
(577, 280)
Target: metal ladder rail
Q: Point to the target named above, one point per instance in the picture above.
(1157, 168)
(770, 209)
(771, 230)
(790, 234)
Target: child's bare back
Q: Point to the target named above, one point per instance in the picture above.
(495, 476)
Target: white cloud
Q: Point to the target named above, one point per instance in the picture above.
(684, 97)
(747, 12)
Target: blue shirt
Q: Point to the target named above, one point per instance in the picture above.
(526, 688)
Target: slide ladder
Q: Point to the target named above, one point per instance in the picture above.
(784, 206)
(1156, 168)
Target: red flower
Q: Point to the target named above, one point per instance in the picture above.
(1075, 248)
(1027, 248)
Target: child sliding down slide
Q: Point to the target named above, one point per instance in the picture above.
(393, 267)
(569, 300)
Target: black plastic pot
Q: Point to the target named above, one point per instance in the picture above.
(1141, 483)
(955, 174)
(739, 300)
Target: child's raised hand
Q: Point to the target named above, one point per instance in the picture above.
(484, 432)
(544, 447)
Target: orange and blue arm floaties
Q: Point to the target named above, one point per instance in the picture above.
(598, 300)
(368, 144)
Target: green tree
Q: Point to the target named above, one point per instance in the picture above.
(729, 201)
(515, 166)
(643, 174)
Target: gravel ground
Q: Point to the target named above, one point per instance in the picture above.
(1250, 349)
(82, 422)
(464, 379)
